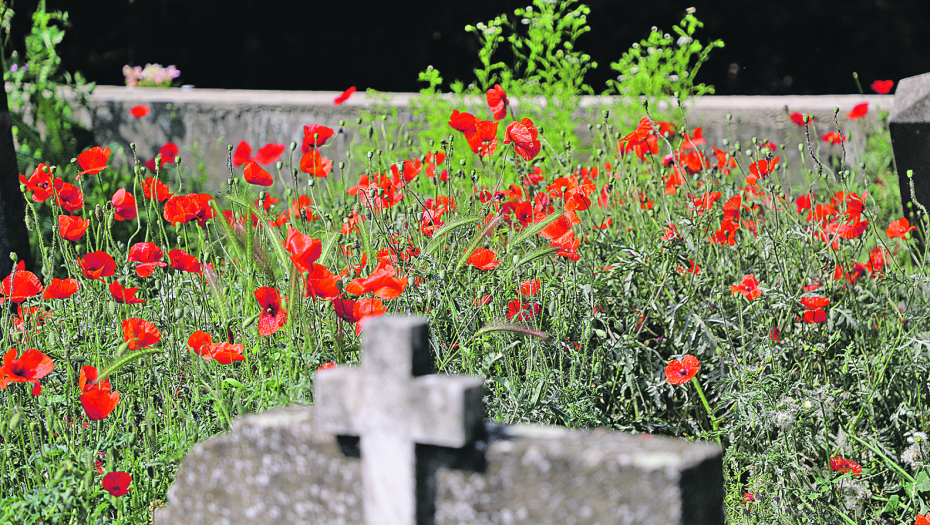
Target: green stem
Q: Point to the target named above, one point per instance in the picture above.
(710, 416)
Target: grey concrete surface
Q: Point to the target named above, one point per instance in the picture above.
(203, 122)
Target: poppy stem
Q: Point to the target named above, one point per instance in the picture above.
(710, 416)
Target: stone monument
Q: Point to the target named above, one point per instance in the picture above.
(909, 124)
(389, 443)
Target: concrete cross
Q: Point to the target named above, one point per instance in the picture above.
(393, 406)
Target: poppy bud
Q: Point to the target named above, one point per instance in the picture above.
(75, 158)
(177, 160)
(310, 182)
(293, 146)
(178, 313)
(461, 162)
(250, 321)
(122, 348)
(22, 188)
(14, 422)
(342, 165)
(28, 221)
(88, 478)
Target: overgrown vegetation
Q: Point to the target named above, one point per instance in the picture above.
(575, 276)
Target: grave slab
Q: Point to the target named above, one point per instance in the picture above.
(280, 467)
(909, 125)
(389, 444)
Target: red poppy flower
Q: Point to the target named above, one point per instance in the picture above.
(882, 87)
(748, 286)
(140, 111)
(483, 259)
(267, 154)
(834, 138)
(680, 372)
(149, 254)
(20, 285)
(40, 183)
(366, 308)
(88, 380)
(93, 161)
(760, 168)
(29, 368)
(315, 136)
(325, 366)
(798, 119)
(162, 193)
(320, 282)
(530, 287)
(812, 303)
(312, 163)
(461, 121)
(124, 295)
(497, 101)
(140, 333)
(345, 309)
(899, 228)
(199, 343)
(183, 261)
(68, 196)
(304, 249)
(922, 520)
(842, 465)
(255, 174)
(858, 111)
(185, 208)
(96, 265)
(815, 309)
(523, 135)
(522, 312)
(99, 403)
(72, 228)
(117, 483)
(344, 96)
(168, 155)
(61, 289)
(124, 205)
(225, 352)
(382, 282)
(273, 317)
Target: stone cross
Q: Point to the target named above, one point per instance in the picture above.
(392, 402)
(427, 457)
(909, 125)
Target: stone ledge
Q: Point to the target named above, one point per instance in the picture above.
(206, 121)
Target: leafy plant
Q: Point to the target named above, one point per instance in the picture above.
(41, 96)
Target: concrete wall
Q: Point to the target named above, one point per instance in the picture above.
(207, 120)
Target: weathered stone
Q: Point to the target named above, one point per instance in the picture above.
(909, 124)
(279, 467)
(393, 405)
(208, 120)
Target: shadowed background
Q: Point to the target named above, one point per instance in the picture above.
(787, 47)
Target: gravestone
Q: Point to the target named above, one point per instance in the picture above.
(909, 124)
(388, 443)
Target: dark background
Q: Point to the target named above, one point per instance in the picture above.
(783, 47)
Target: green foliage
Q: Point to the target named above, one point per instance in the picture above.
(662, 66)
(41, 96)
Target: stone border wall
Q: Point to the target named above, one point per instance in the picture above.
(202, 122)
